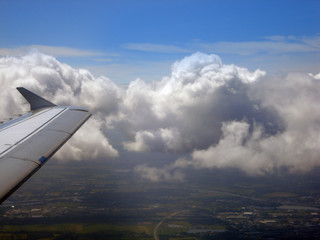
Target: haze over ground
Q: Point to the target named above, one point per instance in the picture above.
(220, 83)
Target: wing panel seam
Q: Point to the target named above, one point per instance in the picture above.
(32, 133)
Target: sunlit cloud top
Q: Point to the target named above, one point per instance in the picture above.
(214, 115)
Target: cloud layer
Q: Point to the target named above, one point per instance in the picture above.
(57, 51)
(270, 45)
(216, 115)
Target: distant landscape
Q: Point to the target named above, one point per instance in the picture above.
(107, 200)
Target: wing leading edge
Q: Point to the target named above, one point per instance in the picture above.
(26, 143)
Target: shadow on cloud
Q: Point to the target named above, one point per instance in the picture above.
(217, 115)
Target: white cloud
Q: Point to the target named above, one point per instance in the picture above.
(226, 116)
(273, 45)
(219, 115)
(158, 48)
(89, 143)
(163, 139)
(56, 51)
(184, 111)
(159, 174)
(276, 44)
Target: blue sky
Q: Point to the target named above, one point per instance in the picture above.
(124, 40)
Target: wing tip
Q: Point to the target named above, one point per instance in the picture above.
(35, 101)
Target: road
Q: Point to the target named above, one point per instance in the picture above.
(155, 231)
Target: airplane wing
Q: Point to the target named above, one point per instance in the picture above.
(27, 142)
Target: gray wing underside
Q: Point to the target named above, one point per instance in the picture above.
(28, 142)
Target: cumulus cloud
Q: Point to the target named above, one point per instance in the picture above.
(62, 85)
(185, 111)
(215, 115)
(89, 143)
(227, 116)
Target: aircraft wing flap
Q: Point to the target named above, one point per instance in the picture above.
(41, 146)
(13, 172)
(69, 120)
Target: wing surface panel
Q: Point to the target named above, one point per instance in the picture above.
(15, 133)
(42, 144)
(69, 121)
